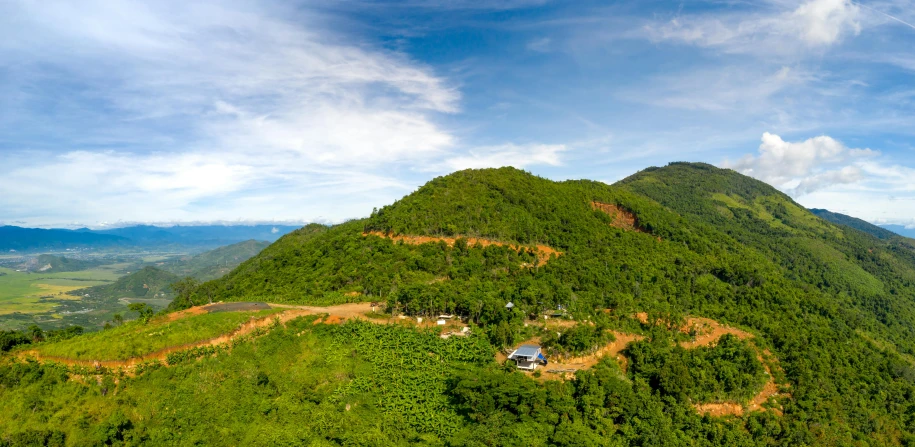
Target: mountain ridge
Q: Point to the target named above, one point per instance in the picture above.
(828, 312)
(36, 239)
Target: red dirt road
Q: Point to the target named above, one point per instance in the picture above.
(543, 252)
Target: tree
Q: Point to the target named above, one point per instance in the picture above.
(144, 312)
(36, 333)
(185, 290)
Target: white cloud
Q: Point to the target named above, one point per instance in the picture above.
(823, 22)
(264, 113)
(803, 167)
(509, 155)
(815, 23)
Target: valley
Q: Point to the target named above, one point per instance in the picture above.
(85, 288)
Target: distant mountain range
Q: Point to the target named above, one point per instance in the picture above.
(33, 239)
(900, 230)
(215, 263)
(26, 239)
(879, 231)
(854, 222)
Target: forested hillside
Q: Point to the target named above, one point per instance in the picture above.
(215, 263)
(56, 264)
(834, 306)
(149, 282)
(858, 224)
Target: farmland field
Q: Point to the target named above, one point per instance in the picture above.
(27, 298)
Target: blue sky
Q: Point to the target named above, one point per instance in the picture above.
(116, 112)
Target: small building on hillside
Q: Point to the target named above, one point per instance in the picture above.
(527, 357)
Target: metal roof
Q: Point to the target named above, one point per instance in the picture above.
(527, 351)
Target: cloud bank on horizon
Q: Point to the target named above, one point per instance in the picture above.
(130, 111)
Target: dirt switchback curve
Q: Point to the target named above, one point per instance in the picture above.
(543, 252)
(707, 333)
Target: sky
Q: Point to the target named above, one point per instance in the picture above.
(121, 111)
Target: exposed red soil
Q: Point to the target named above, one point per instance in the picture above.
(543, 252)
(160, 355)
(336, 315)
(199, 310)
(622, 218)
(707, 332)
(612, 349)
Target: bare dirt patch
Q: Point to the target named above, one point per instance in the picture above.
(622, 218)
(543, 252)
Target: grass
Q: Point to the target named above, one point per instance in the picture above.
(135, 339)
(29, 292)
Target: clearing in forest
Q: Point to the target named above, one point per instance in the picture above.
(622, 218)
(707, 333)
(543, 252)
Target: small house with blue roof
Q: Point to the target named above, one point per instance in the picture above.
(528, 357)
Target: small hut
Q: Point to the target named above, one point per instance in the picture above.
(527, 357)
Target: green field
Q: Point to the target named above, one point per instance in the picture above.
(27, 298)
(135, 339)
(30, 292)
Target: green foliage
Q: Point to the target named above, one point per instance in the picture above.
(728, 371)
(11, 339)
(579, 339)
(58, 264)
(138, 338)
(144, 312)
(214, 263)
(836, 306)
(858, 224)
(146, 283)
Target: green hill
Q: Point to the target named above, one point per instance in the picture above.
(215, 263)
(55, 264)
(834, 306)
(854, 222)
(149, 282)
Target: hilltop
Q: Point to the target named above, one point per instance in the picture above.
(215, 263)
(820, 314)
(150, 282)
